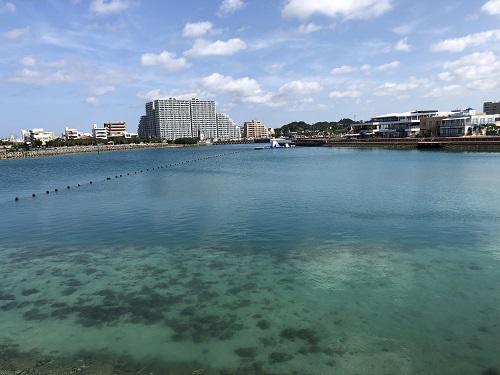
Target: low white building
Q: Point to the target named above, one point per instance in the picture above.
(99, 132)
(71, 133)
(38, 135)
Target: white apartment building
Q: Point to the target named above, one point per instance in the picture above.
(226, 128)
(38, 134)
(99, 132)
(203, 119)
(71, 133)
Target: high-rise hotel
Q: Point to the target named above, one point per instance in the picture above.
(171, 119)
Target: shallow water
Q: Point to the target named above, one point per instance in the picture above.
(305, 261)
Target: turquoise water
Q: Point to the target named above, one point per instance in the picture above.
(300, 261)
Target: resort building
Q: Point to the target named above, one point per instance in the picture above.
(400, 125)
(99, 133)
(491, 108)
(227, 130)
(255, 130)
(37, 135)
(116, 129)
(71, 133)
(203, 119)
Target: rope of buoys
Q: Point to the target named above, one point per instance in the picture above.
(68, 187)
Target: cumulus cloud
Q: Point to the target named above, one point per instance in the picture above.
(471, 40)
(308, 28)
(244, 89)
(477, 71)
(166, 60)
(105, 7)
(401, 88)
(344, 69)
(447, 90)
(7, 7)
(345, 94)
(91, 100)
(204, 47)
(388, 66)
(492, 7)
(230, 6)
(402, 45)
(197, 29)
(28, 61)
(16, 34)
(346, 9)
(300, 88)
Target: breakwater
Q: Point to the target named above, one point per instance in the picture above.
(452, 144)
(56, 151)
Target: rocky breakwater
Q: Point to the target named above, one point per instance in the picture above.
(35, 153)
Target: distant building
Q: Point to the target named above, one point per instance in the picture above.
(226, 128)
(255, 129)
(99, 133)
(203, 119)
(171, 119)
(71, 133)
(491, 108)
(38, 134)
(431, 126)
(400, 125)
(116, 129)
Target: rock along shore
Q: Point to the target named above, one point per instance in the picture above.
(7, 154)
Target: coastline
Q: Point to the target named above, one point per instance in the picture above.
(491, 144)
(58, 151)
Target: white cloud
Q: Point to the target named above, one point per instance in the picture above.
(165, 60)
(7, 7)
(345, 94)
(477, 71)
(347, 9)
(102, 90)
(244, 89)
(197, 29)
(403, 46)
(401, 88)
(308, 28)
(28, 61)
(344, 69)
(204, 47)
(471, 40)
(300, 88)
(40, 77)
(104, 7)
(388, 66)
(405, 29)
(492, 7)
(445, 91)
(16, 34)
(91, 100)
(230, 6)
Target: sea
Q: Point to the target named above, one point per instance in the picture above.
(228, 260)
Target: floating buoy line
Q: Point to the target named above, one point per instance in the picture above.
(158, 167)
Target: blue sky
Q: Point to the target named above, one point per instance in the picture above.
(76, 62)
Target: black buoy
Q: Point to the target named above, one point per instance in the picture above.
(33, 195)
(67, 187)
(108, 178)
(47, 192)
(56, 190)
(78, 185)
(90, 182)
(17, 199)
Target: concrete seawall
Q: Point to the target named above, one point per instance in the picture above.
(454, 144)
(42, 152)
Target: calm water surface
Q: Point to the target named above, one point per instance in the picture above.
(300, 261)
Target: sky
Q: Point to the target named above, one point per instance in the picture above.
(72, 63)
